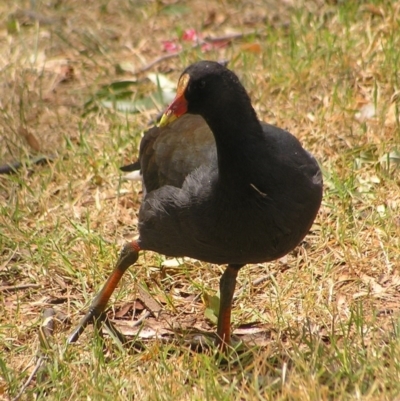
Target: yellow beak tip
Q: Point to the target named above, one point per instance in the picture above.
(167, 119)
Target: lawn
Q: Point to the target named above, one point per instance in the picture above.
(77, 92)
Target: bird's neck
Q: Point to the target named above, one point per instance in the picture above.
(237, 142)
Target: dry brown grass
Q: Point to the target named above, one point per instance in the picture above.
(326, 71)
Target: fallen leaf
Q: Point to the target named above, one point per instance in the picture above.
(30, 138)
(210, 315)
(123, 311)
(366, 112)
(371, 8)
(254, 48)
(392, 115)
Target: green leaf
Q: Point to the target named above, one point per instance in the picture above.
(392, 157)
(125, 96)
(212, 303)
(175, 9)
(209, 314)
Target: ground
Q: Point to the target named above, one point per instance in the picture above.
(322, 323)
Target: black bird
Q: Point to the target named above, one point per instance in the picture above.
(219, 186)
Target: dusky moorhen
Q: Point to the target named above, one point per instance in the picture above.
(249, 193)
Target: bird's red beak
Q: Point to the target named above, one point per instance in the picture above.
(178, 107)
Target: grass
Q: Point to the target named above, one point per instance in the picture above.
(328, 326)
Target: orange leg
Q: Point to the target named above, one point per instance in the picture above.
(227, 286)
(127, 257)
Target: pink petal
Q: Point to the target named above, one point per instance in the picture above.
(190, 35)
(170, 46)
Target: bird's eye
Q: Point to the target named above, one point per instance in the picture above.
(202, 84)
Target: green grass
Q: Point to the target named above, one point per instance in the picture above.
(328, 326)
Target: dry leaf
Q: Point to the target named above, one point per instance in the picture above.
(30, 138)
(392, 115)
(371, 8)
(251, 48)
(366, 112)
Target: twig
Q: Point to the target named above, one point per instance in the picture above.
(158, 60)
(143, 318)
(12, 167)
(45, 332)
(6, 262)
(90, 201)
(261, 279)
(30, 378)
(232, 36)
(10, 288)
(206, 40)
